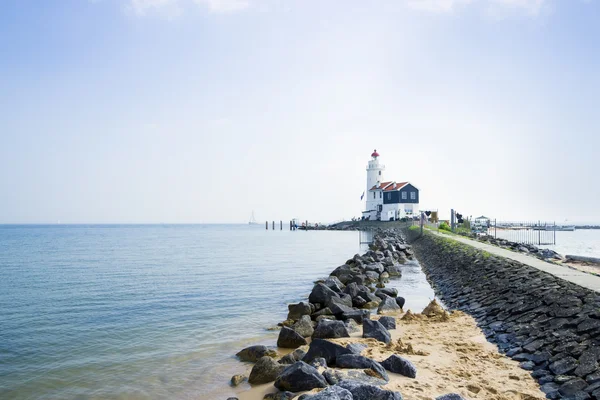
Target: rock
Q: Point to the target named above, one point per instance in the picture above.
(391, 292)
(327, 329)
(388, 305)
(352, 290)
(573, 386)
(394, 270)
(549, 388)
(358, 302)
(339, 306)
(321, 294)
(356, 348)
(279, 396)
(563, 366)
(253, 353)
(352, 326)
(371, 304)
(326, 349)
(527, 365)
(296, 311)
(335, 376)
(290, 339)
(323, 311)
(330, 393)
(450, 396)
(361, 391)
(265, 370)
(356, 361)
(400, 365)
(357, 315)
(388, 322)
(374, 329)
(292, 357)
(334, 284)
(237, 379)
(400, 301)
(322, 317)
(319, 362)
(587, 363)
(304, 326)
(298, 377)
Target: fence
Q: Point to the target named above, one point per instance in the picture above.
(525, 232)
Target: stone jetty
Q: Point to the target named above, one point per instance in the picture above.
(549, 325)
(348, 341)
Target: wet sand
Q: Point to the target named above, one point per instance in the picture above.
(451, 355)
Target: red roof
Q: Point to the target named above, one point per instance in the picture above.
(396, 186)
(389, 186)
(375, 154)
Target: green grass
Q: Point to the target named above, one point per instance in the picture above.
(414, 228)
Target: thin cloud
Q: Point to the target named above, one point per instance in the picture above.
(530, 7)
(224, 6)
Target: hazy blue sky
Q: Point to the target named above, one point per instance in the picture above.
(204, 110)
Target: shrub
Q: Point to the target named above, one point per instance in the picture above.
(445, 227)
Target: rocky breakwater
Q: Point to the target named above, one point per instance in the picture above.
(336, 307)
(551, 326)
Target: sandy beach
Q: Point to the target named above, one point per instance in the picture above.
(451, 355)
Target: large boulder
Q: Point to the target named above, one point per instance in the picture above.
(356, 348)
(330, 393)
(374, 329)
(450, 396)
(290, 339)
(321, 294)
(254, 353)
(334, 284)
(394, 270)
(381, 293)
(357, 315)
(361, 391)
(352, 290)
(356, 361)
(304, 326)
(388, 305)
(327, 329)
(292, 357)
(333, 376)
(265, 370)
(300, 376)
(400, 301)
(388, 322)
(296, 311)
(400, 365)
(326, 349)
(338, 305)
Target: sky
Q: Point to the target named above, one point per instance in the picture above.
(203, 111)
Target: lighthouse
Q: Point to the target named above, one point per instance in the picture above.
(374, 179)
(388, 200)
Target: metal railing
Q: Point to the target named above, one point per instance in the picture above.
(525, 232)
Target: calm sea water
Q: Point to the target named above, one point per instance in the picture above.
(581, 242)
(152, 312)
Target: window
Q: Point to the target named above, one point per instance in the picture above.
(379, 173)
(389, 196)
(403, 195)
(413, 195)
(380, 194)
(373, 194)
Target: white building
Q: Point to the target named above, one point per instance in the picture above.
(389, 200)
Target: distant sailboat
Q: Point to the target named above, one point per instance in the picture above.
(252, 220)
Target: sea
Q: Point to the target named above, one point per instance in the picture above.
(581, 242)
(154, 311)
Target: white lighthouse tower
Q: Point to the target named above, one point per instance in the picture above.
(374, 178)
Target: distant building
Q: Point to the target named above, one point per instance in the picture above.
(388, 200)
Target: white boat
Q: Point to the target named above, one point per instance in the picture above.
(252, 220)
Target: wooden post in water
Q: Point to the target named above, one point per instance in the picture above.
(273, 225)
(280, 225)
(290, 225)
(267, 225)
